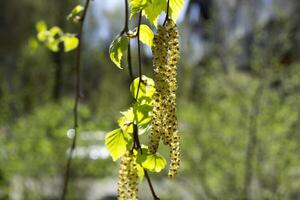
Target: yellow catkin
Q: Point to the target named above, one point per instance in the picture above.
(133, 180)
(175, 155)
(164, 125)
(128, 178)
(159, 61)
(123, 177)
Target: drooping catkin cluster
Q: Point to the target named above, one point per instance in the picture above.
(128, 178)
(164, 126)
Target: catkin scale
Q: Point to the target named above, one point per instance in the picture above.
(165, 51)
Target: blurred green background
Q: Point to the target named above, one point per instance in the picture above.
(238, 102)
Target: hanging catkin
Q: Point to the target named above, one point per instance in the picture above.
(160, 51)
(128, 178)
(164, 125)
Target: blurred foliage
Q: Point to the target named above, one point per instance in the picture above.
(238, 104)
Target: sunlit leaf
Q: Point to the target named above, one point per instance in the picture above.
(142, 111)
(144, 89)
(70, 43)
(117, 48)
(140, 172)
(126, 121)
(52, 44)
(146, 34)
(117, 142)
(41, 26)
(137, 5)
(151, 162)
(74, 15)
(55, 32)
(42, 36)
(175, 8)
(154, 9)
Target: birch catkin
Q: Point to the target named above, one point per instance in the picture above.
(128, 178)
(164, 125)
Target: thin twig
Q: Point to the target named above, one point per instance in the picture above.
(129, 61)
(168, 11)
(76, 102)
(137, 144)
(135, 127)
(155, 197)
(125, 30)
(139, 53)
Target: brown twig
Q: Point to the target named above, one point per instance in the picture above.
(139, 54)
(76, 102)
(125, 30)
(137, 144)
(168, 12)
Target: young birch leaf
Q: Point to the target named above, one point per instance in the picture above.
(143, 114)
(154, 9)
(55, 32)
(52, 45)
(41, 28)
(117, 142)
(175, 8)
(137, 5)
(74, 15)
(126, 121)
(146, 34)
(117, 48)
(146, 87)
(151, 162)
(140, 172)
(70, 43)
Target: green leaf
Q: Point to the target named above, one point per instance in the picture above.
(138, 114)
(55, 32)
(42, 36)
(146, 34)
(117, 48)
(146, 87)
(140, 172)
(151, 162)
(41, 26)
(117, 142)
(126, 121)
(70, 43)
(74, 15)
(52, 44)
(142, 111)
(154, 9)
(137, 5)
(175, 8)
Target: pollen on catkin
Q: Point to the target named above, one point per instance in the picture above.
(159, 60)
(165, 51)
(128, 178)
(133, 180)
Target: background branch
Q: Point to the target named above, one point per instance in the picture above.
(76, 102)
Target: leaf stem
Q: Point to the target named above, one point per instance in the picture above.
(76, 102)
